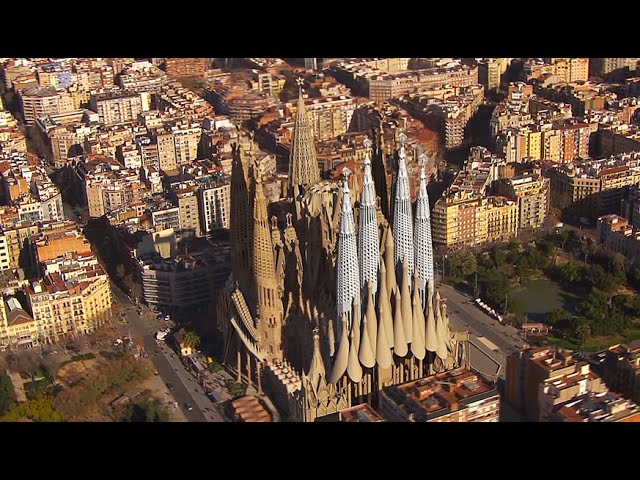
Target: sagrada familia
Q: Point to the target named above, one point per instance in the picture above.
(332, 298)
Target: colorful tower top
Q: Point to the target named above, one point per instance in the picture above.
(402, 223)
(368, 242)
(303, 165)
(348, 281)
(422, 234)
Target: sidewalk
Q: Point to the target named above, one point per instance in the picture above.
(18, 386)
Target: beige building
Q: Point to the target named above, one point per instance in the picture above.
(118, 107)
(17, 328)
(215, 206)
(605, 66)
(455, 396)
(39, 102)
(468, 220)
(555, 391)
(490, 71)
(330, 116)
(622, 369)
(189, 211)
(618, 236)
(185, 140)
(529, 368)
(571, 69)
(13, 241)
(532, 195)
(166, 150)
(502, 219)
(594, 188)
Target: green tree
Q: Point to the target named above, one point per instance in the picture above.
(191, 339)
(494, 286)
(572, 272)
(462, 264)
(583, 330)
(565, 236)
(7, 397)
(558, 317)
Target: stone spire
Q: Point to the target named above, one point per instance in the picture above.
(380, 172)
(370, 316)
(348, 278)
(402, 223)
(399, 339)
(441, 349)
(384, 306)
(422, 235)
(417, 345)
(241, 222)
(342, 356)
(269, 304)
(368, 242)
(316, 370)
(430, 336)
(303, 165)
(405, 293)
(389, 263)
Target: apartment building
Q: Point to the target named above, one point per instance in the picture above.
(180, 284)
(622, 369)
(531, 192)
(458, 395)
(490, 71)
(594, 188)
(186, 67)
(215, 205)
(529, 368)
(115, 107)
(107, 188)
(39, 101)
(330, 116)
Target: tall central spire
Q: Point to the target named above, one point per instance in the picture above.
(402, 224)
(368, 243)
(348, 282)
(422, 235)
(303, 165)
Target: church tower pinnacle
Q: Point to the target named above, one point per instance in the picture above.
(368, 242)
(348, 278)
(303, 165)
(422, 235)
(402, 224)
(269, 304)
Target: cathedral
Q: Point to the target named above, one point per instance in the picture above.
(332, 297)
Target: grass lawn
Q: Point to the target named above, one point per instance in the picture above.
(594, 344)
(541, 296)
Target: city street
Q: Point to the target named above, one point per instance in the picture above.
(184, 386)
(487, 335)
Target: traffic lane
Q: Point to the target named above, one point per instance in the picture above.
(200, 399)
(467, 312)
(167, 372)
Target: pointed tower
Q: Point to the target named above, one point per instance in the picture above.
(316, 370)
(348, 278)
(241, 222)
(380, 172)
(303, 164)
(417, 344)
(368, 242)
(399, 339)
(430, 336)
(372, 320)
(422, 235)
(405, 303)
(269, 307)
(341, 361)
(402, 223)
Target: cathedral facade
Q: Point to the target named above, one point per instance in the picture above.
(330, 300)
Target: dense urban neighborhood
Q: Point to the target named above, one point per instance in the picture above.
(320, 239)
